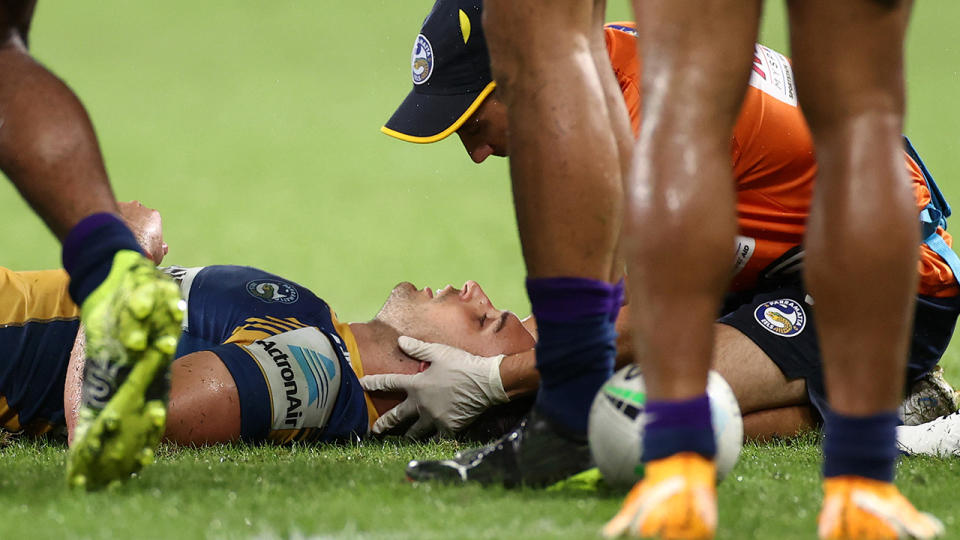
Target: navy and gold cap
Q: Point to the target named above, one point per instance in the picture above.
(451, 74)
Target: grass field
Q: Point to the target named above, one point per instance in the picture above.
(253, 127)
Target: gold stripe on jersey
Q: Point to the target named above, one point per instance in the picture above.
(291, 322)
(355, 362)
(243, 335)
(35, 296)
(277, 323)
(256, 328)
(268, 328)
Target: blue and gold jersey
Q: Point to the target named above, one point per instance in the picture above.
(288, 354)
(38, 326)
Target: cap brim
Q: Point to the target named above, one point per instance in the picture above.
(424, 118)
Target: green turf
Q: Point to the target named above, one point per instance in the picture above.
(253, 126)
(359, 492)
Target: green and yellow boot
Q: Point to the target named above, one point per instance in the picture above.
(132, 323)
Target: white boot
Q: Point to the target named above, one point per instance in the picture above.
(938, 437)
(930, 397)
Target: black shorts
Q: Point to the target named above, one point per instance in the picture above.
(779, 319)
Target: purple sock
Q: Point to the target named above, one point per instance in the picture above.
(860, 445)
(88, 252)
(678, 426)
(576, 346)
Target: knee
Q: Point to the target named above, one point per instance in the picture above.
(525, 36)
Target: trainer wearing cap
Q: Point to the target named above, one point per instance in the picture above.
(456, 93)
(450, 68)
(557, 96)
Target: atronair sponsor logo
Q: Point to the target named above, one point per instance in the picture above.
(281, 360)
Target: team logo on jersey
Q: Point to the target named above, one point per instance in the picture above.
(421, 61)
(273, 291)
(784, 317)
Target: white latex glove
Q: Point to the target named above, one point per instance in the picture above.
(447, 396)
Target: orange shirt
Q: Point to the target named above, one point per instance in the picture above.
(774, 168)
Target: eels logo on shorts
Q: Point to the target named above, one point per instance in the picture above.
(784, 317)
(421, 61)
(271, 291)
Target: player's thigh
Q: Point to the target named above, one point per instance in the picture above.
(783, 422)
(15, 17)
(696, 56)
(848, 56)
(757, 381)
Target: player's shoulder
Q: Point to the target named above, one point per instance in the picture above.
(239, 283)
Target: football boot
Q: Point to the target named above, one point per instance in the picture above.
(938, 437)
(858, 508)
(930, 397)
(676, 500)
(132, 324)
(537, 453)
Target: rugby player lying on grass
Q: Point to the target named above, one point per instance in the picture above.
(766, 346)
(262, 358)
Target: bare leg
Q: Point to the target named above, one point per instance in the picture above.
(679, 232)
(47, 144)
(618, 115)
(862, 238)
(862, 235)
(564, 156)
(756, 381)
(554, 76)
(681, 217)
(783, 423)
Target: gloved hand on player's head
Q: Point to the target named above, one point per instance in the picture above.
(447, 396)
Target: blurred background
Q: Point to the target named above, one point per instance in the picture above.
(254, 127)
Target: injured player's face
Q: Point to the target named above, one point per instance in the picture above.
(464, 318)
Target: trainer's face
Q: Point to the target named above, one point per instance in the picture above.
(147, 227)
(485, 133)
(464, 318)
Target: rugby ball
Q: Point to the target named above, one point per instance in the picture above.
(615, 429)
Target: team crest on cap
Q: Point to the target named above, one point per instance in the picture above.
(421, 61)
(783, 317)
(271, 291)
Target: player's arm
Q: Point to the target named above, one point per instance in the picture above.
(204, 402)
